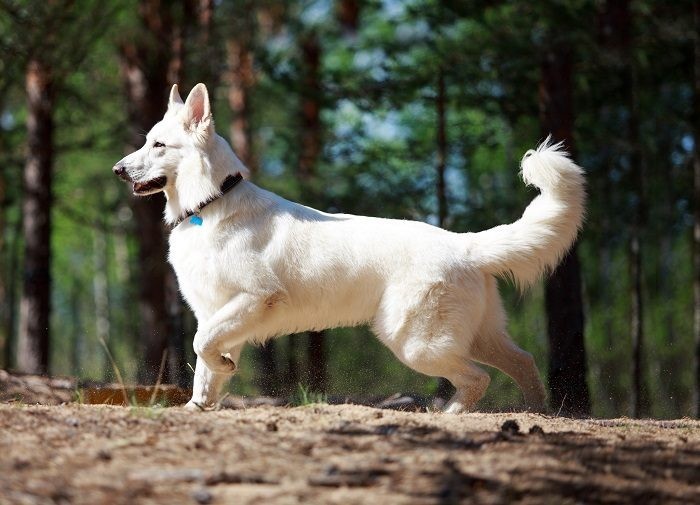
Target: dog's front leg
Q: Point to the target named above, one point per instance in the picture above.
(207, 384)
(227, 328)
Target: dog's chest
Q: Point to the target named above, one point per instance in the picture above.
(205, 276)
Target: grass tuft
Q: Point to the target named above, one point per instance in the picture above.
(304, 396)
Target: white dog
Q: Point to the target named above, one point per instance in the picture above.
(254, 266)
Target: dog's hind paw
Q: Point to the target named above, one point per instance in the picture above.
(454, 407)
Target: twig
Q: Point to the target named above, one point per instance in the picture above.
(562, 405)
(160, 377)
(115, 368)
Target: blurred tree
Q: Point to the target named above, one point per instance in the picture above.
(620, 32)
(35, 305)
(55, 38)
(240, 78)
(152, 59)
(696, 207)
(241, 20)
(311, 142)
(563, 297)
(444, 389)
(11, 71)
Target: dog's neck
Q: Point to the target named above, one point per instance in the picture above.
(199, 180)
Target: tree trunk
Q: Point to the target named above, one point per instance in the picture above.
(444, 389)
(100, 286)
(310, 109)
(10, 322)
(4, 308)
(78, 341)
(240, 79)
(563, 300)
(618, 39)
(640, 392)
(175, 371)
(311, 144)
(696, 209)
(151, 63)
(441, 138)
(348, 14)
(291, 378)
(35, 305)
(147, 65)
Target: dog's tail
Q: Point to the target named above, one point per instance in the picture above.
(536, 242)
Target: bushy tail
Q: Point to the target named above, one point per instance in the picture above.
(536, 242)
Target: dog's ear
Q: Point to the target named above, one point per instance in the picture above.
(197, 111)
(175, 98)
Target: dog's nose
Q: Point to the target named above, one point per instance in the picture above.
(119, 169)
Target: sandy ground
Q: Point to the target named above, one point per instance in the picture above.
(340, 454)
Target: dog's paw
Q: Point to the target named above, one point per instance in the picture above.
(454, 407)
(215, 360)
(193, 406)
(226, 364)
(221, 364)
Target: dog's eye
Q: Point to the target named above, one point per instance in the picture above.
(158, 144)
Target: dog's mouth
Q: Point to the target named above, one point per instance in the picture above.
(148, 187)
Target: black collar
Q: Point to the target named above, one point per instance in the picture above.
(229, 183)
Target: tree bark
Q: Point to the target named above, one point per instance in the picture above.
(78, 340)
(147, 65)
(240, 79)
(100, 286)
(35, 305)
(444, 388)
(311, 144)
(617, 36)
(563, 300)
(348, 14)
(10, 322)
(441, 140)
(696, 208)
(640, 391)
(4, 308)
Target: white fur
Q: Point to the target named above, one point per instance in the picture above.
(261, 266)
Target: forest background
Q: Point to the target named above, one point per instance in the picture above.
(415, 109)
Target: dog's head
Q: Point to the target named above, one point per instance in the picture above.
(178, 150)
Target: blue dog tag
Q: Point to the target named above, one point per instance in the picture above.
(196, 220)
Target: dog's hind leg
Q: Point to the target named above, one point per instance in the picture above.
(431, 333)
(499, 351)
(492, 346)
(470, 385)
(207, 384)
(444, 360)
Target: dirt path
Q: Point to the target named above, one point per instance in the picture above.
(339, 454)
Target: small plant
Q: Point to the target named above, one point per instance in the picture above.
(151, 412)
(131, 399)
(117, 373)
(78, 396)
(304, 396)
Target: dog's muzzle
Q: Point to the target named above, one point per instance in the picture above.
(150, 186)
(140, 188)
